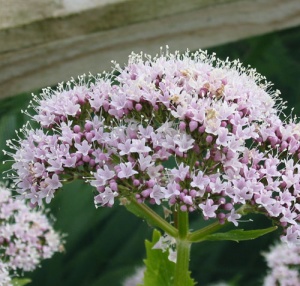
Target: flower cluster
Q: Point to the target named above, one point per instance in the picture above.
(283, 261)
(5, 279)
(26, 237)
(190, 130)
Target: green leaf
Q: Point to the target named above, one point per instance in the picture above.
(159, 269)
(239, 234)
(20, 281)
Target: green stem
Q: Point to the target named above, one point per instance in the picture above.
(182, 264)
(142, 210)
(183, 250)
(200, 234)
(182, 219)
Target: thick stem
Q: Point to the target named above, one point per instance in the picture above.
(182, 275)
(183, 250)
(182, 223)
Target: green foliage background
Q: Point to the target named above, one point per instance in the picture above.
(105, 245)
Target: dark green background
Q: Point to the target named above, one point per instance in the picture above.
(104, 245)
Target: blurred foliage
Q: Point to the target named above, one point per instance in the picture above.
(20, 281)
(105, 245)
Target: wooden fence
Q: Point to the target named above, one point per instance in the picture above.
(43, 42)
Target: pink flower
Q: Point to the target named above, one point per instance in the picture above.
(223, 138)
(124, 147)
(233, 217)
(200, 181)
(53, 183)
(83, 148)
(180, 172)
(173, 190)
(209, 209)
(106, 198)
(145, 162)
(184, 142)
(126, 170)
(102, 176)
(157, 193)
(138, 146)
(55, 165)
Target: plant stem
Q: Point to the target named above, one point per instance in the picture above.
(182, 223)
(199, 235)
(142, 210)
(183, 250)
(182, 264)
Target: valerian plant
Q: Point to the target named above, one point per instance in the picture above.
(189, 132)
(26, 238)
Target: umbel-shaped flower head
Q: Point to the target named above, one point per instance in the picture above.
(284, 263)
(26, 237)
(189, 130)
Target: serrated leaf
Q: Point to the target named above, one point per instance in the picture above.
(239, 234)
(159, 269)
(20, 281)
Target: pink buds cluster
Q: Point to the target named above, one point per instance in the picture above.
(190, 130)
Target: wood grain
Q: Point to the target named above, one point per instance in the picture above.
(64, 42)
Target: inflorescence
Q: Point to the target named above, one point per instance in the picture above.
(190, 130)
(26, 237)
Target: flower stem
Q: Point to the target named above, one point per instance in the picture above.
(183, 250)
(142, 210)
(199, 235)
